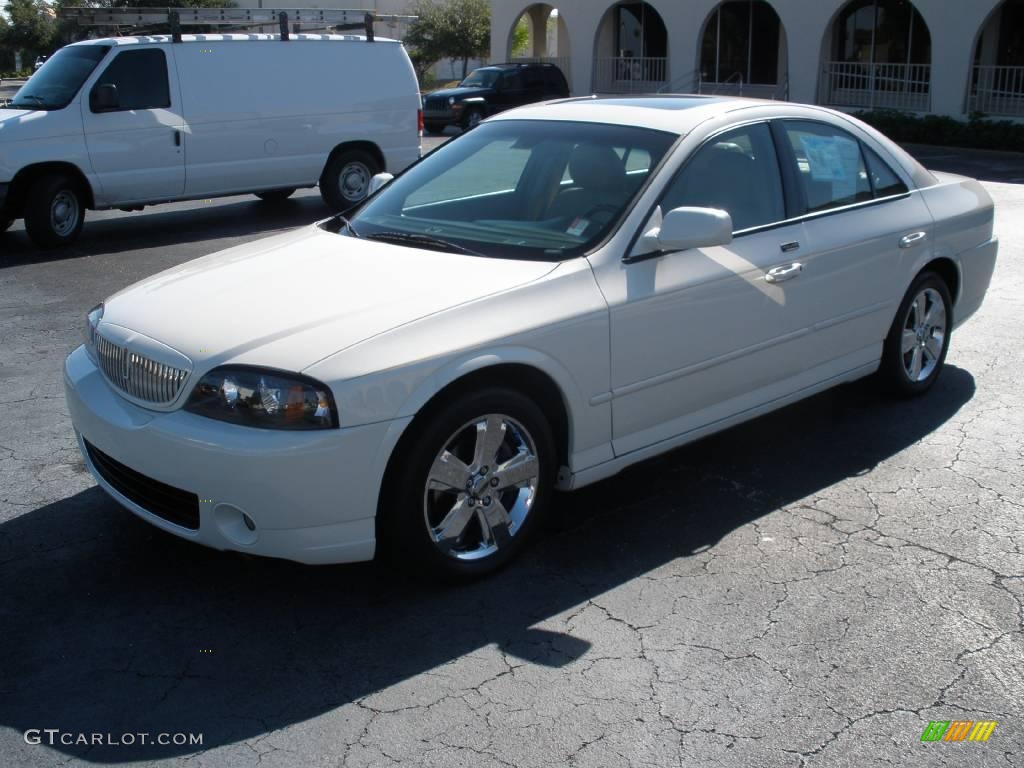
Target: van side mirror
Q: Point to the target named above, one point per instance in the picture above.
(104, 98)
(685, 228)
(378, 180)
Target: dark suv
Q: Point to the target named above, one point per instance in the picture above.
(491, 89)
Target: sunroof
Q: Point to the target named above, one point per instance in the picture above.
(656, 102)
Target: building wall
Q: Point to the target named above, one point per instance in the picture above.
(955, 27)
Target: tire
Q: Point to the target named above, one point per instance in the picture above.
(55, 211)
(472, 119)
(915, 349)
(345, 181)
(434, 128)
(275, 195)
(415, 506)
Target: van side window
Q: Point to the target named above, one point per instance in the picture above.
(140, 78)
(829, 165)
(737, 172)
(883, 178)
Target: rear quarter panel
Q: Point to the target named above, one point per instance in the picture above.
(964, 232)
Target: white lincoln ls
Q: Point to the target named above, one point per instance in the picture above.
(558, 293)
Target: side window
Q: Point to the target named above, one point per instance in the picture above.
(830, 167)
(738, 172)
(533, 79)
(883, 179)
(140, 78)
(511, 81)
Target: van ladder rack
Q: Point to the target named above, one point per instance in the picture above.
(177, 18)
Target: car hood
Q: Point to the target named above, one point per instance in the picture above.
(461, 92)
(22, 124)
(290, 300)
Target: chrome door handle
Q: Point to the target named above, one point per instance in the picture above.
(781, 274)
(909, 241)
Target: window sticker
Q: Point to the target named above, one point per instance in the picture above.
(578, 227)
(835, 159)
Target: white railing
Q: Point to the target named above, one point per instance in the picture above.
(998, 90)
(630, 74)
(878, 86)
(562, 62)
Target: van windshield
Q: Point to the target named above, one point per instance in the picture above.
(516, 189)
(55, 84)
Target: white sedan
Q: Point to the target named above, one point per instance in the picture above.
(561, 292)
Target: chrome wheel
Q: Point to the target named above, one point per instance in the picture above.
(924, 335)
(481, 487)
(64, 213)
(354, 181)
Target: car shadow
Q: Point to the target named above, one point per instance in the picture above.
(163, 227)
(111, 626)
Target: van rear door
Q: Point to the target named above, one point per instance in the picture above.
(133, 132)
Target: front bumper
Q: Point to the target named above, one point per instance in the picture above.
(311, 496)
(439, 116)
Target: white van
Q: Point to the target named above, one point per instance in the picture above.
(132, 121)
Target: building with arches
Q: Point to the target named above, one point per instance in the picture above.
(933, 56)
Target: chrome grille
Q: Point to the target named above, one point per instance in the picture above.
(138, 376)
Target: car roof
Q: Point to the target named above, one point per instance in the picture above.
(677, 114)
(218, 38)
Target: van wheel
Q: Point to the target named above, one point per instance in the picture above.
(472, 487)
(434, 128)
(275, 195)
(915, 349)
(346, 179)
(55, 211)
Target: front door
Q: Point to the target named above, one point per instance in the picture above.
(136, 145)
(700, 335)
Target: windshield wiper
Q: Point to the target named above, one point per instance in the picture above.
(425, 240)
(19, 97)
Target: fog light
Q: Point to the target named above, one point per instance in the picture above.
(236, 526)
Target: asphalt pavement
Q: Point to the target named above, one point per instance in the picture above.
(808, 589)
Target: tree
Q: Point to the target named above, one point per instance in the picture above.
(449, 29)
(31, 27)
(521, 37)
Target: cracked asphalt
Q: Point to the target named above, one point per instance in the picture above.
(809, 589)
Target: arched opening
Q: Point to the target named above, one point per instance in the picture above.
(881, 54)
(630, 50)
(997, 83)
(540, 35)
(743, 51)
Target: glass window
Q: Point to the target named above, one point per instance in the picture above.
(882, 32)
(517, 189)
(640, 31)
(883, 178)
(483, 78)
(511, 81)
(58, 80)
(830, 166)
(737, 172)
(741, 44)
(140, 78)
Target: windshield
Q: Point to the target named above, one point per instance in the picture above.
(482, 78)
(517, 189)
(55, 84)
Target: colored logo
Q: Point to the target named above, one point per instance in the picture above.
(958, 730)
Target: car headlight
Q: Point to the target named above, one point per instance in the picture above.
(451, 100)
(92, 319)
(264, 398)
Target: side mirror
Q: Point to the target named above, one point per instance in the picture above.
(685, 228)
(104, 98)
(378, 180)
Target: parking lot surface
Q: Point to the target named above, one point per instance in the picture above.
(809, 589)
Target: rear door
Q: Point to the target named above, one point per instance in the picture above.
(136, 148)
(864, 231)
